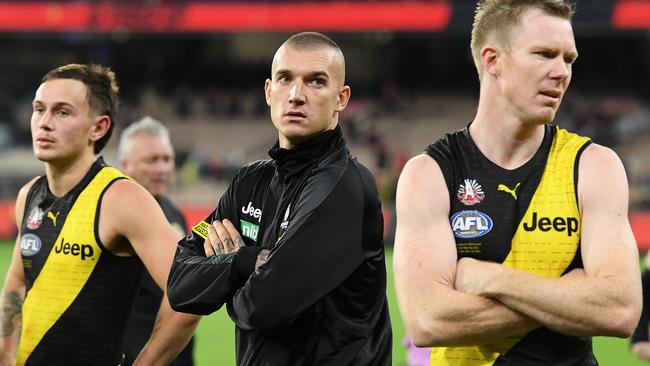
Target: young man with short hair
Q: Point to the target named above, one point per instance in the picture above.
(84, 233)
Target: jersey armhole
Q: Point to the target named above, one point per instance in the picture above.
(96, 224)
(576, 169)
(447, 171)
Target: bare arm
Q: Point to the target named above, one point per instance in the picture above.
(13, 294)
(425, 268)
(605, 298)
(129, 211)
(12, 300)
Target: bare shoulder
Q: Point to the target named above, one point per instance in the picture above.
(126, 208)
(602, 179)
(422, 177)
(599, 159)
(421, 163)
(422, 193)
(21, 198)
(22, 193)
(600, 153)
(422, 169)
(125, 194)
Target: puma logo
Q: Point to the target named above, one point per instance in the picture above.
(513, 192)
(53, 217)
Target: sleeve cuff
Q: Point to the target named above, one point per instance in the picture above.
(244, 264)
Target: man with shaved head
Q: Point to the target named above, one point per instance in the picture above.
(295, 246)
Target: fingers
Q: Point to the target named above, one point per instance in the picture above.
(237, 241)
(207, 247)
(227, 242)
(212, 244)
(223, 238)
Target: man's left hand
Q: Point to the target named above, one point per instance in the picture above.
(223, 238)
(473, 276)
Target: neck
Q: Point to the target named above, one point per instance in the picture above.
(62, 177)
(503, 137)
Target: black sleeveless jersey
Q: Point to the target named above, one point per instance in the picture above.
(527, 219)
(78, 293)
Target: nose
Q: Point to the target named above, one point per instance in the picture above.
(561, 70)
(164, 166)
(43, 121)
(296, 96)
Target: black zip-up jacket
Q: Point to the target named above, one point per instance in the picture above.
(320, 299)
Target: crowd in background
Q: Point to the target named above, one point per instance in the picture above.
(407, 91)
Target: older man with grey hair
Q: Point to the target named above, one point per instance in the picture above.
(146, 154)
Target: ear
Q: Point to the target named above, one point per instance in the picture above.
(100, 127)
(125, 166)
(490, 58)
(267, 91)
(343, 98)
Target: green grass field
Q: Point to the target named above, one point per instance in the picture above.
(215, 345)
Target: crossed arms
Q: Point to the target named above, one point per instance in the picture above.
(324, 237)
(446, 302)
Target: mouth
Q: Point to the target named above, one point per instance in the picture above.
(552, 94)
(295, 115)
(44, 141)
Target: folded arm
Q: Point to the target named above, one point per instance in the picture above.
(425, 258)
(604, 298)
(320, 249)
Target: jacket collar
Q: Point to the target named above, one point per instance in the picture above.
(294, 161)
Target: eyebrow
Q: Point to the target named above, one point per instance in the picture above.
(311, 75)
(56, 105)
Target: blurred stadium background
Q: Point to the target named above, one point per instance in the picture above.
(199, 66)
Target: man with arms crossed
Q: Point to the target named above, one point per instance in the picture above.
(295, 247)
(513, 244)
(84, 232)
(146, 154)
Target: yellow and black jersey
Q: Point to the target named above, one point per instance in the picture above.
(78, 293)
(526, 218)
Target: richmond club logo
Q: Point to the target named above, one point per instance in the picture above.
(470, 192)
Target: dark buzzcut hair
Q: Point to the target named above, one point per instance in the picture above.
(102, 91)
(313, 40)
(495, 19)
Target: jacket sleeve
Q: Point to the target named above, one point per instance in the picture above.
(201, 285)
(320, 249)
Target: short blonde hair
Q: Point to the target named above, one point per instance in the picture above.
(495, 19)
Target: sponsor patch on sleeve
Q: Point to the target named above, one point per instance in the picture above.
(201, 229)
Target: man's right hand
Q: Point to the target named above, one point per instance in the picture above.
(223, 238)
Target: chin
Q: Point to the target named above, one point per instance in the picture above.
(44, 157)
(545, 116)
(156, 191)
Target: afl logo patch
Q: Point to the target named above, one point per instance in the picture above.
(470, 224)
(30, 245)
